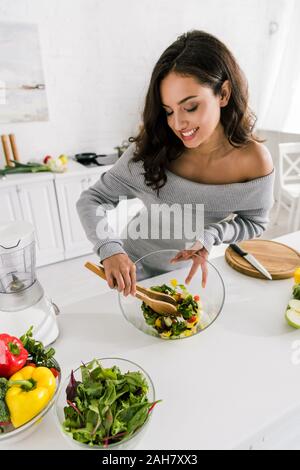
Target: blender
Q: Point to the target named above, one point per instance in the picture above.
(23, 302)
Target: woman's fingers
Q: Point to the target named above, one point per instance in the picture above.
(182, 255)
(203, 255)
(195, 266)
(129, 278)
(120, 281)
(110, 280)
(198, 260)
(127, 281)
(120, 273)
(204, 273)
(124, 281)
(175, 259)
(133, 279)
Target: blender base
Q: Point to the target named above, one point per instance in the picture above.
(40, 315)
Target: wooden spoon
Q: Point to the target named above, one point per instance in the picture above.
(159, 306)
(162, 307)
(153, 294)
(144, 290)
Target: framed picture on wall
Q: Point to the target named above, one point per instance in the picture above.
(22, 85)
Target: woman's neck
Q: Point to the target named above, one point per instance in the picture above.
(215, 147)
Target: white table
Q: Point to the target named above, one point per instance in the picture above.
(232, 386)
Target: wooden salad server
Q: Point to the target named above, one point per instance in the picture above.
(161, 303)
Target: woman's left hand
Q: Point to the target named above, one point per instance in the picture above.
(198, 254)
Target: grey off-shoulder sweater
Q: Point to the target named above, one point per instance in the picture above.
(245, 205)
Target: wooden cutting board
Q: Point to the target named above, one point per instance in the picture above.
(279, 259)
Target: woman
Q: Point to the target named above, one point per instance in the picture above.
(196, 147)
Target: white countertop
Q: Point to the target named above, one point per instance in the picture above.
(220, 389)
(74, 169)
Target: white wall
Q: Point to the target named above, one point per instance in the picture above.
(98, 56)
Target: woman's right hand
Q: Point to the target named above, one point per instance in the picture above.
(120, 272)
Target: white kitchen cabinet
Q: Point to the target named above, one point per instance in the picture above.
(39, 206)
(68, 191)
(10, 208)
(48, 201)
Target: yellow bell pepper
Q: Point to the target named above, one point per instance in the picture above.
(166, 334)
(297, 276)
(30, 389)
(187, 333)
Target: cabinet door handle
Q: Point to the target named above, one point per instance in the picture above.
(273, 27)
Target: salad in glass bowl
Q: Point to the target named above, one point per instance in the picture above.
(106, 403)
(189, 309)
(29, 381)
(197, 307)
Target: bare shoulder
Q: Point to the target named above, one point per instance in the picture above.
(256, 161)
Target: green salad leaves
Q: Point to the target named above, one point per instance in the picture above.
(4, 413)
(106, 406)
(173, 327)
(37, 353)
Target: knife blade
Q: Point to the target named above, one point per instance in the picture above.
(252, 260)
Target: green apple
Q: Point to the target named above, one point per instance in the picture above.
(295, 305)
(292, 317)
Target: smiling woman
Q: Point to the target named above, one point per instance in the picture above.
(196, 107)
(204, 106)
(196, 147)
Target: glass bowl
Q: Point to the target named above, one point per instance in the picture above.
(107, 362)
(13, 435)
(155, 269)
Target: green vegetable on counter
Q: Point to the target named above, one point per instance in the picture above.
(4, 413)
(37, 353)
(3, 388)
(30, 167)
(106, 406)
(296, 291)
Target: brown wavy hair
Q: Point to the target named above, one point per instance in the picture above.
(208, 60)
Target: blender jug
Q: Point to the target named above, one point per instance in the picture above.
(17, 258)
(22, 300)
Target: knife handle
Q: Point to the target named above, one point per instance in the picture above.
(238, 250)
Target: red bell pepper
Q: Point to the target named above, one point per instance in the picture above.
(13, 355)
(54, 371)
(192, 319)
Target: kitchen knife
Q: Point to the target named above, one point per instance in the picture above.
(252, 260)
